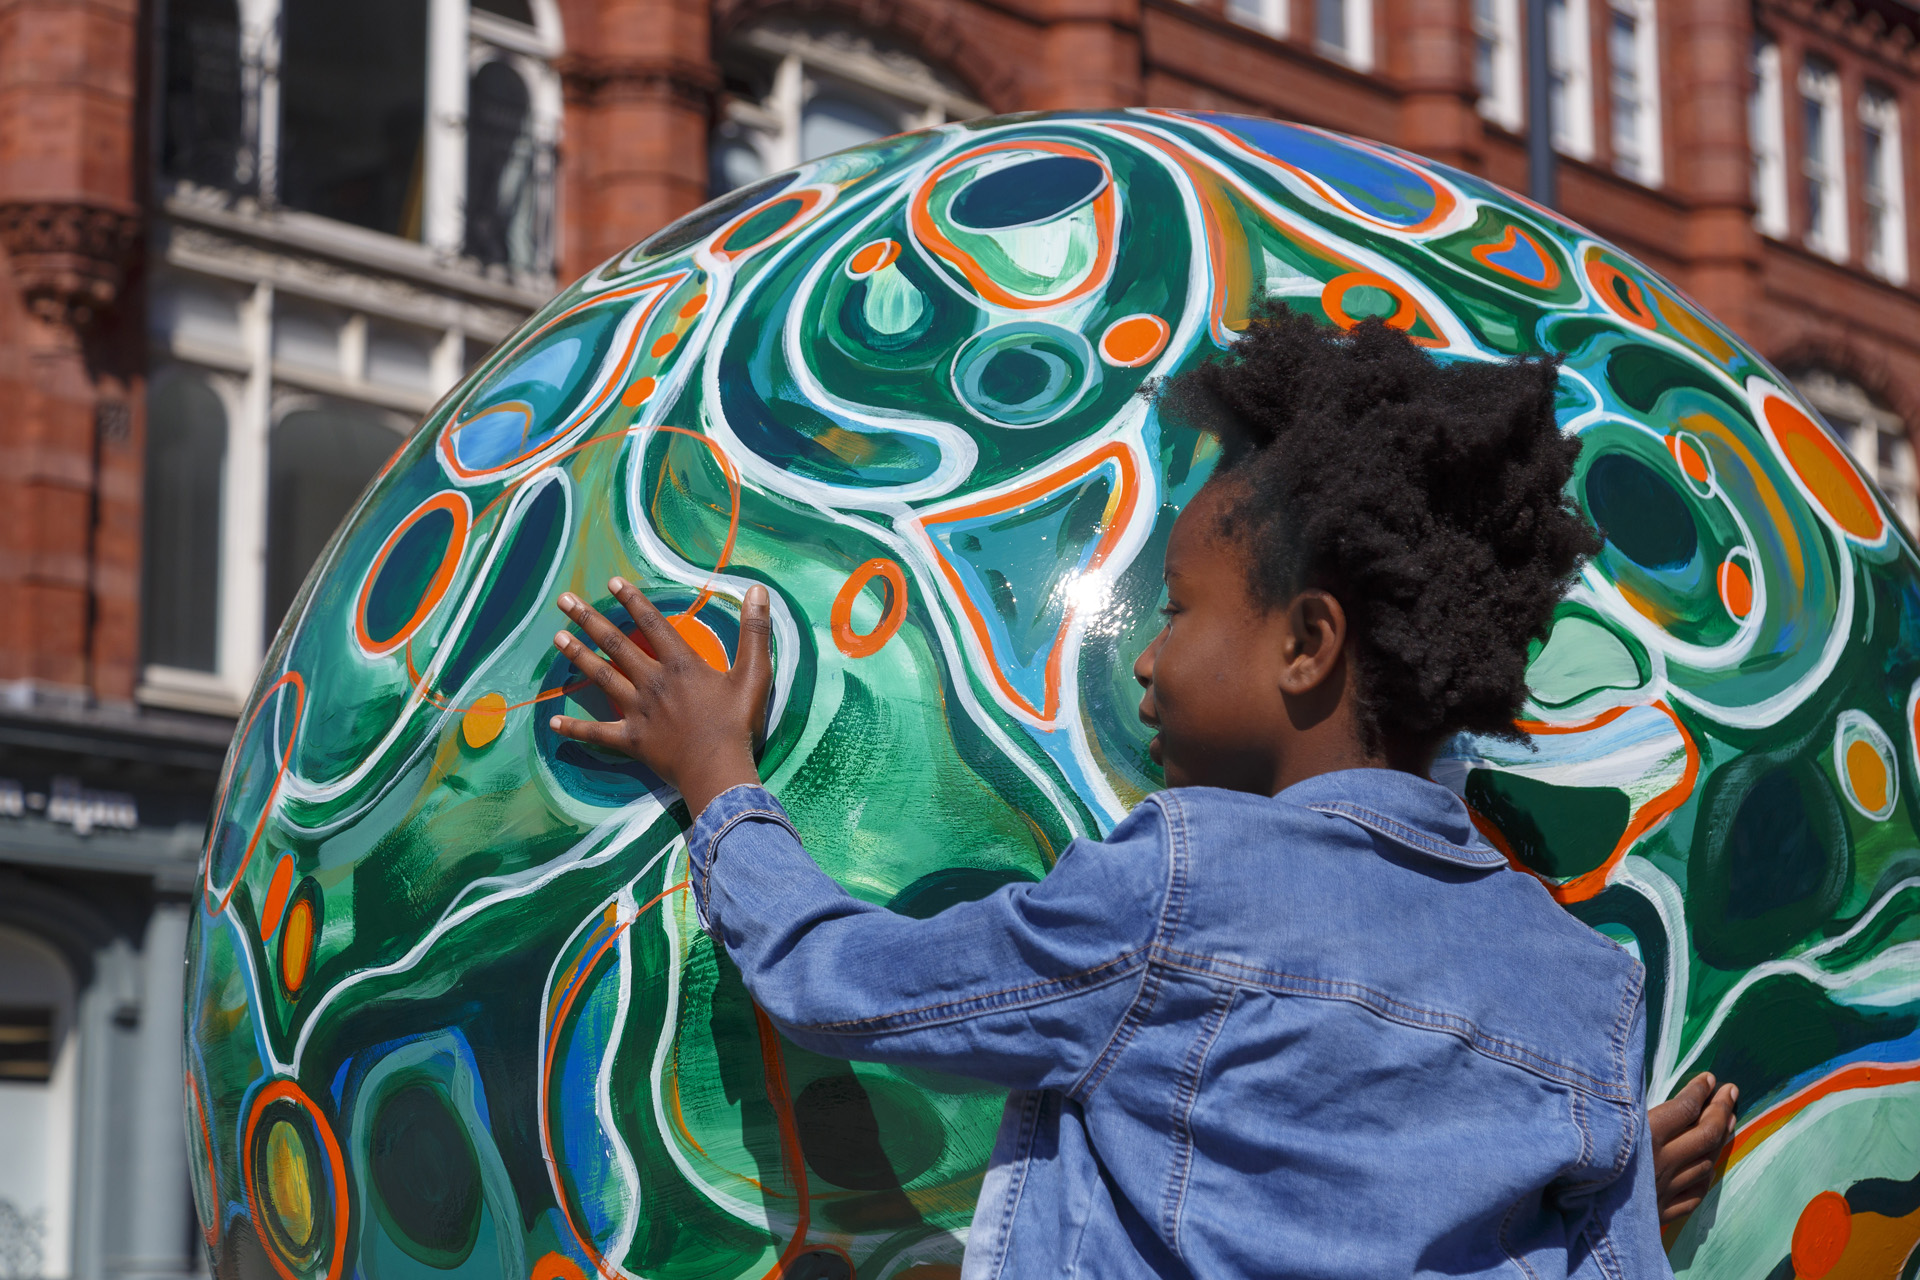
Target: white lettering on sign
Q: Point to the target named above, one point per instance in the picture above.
(71, 805)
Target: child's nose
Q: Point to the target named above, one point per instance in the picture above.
(1143, 665)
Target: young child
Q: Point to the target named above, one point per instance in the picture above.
(1293, 1016)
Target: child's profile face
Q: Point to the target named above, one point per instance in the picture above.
(1213, 676)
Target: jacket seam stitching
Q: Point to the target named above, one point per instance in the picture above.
(1022, 1160)
(1506, 1242)
(1028, 994)
(1403, 834)
(1185, 1097)
(1135, 1012)
(1399, 1011)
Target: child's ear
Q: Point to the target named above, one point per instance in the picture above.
(1316, 635)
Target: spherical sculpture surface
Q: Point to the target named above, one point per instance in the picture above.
(449, 1009)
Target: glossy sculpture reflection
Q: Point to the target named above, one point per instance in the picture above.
(448, 1009)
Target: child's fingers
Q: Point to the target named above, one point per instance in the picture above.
(597, 733)
(1679, 1113)
(754, 664)
(630, 658)
(660, 635)
(594, 668)
(1680, 1209)
(1694, 1175)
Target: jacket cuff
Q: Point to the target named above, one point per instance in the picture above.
(723, 813)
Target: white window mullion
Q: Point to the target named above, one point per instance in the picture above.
(1269, 16)
(444, 224)
(1765, 134)
(1497, 63)
(1570, 77)
(1823, 162)
(260, 97)
(243, 524)
(1883, 180)
(1633, 73)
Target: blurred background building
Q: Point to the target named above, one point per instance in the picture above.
(247, 243)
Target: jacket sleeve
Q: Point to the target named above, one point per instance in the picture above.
(1619, 1223)
(1024, 988)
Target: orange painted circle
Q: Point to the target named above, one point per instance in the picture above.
(663, 344)
(1736, 588)
(701, 639)
(455, 505)
(1619, 292)
(1828, 474)
(277, 891)
(296, 945)
(876, 255)
(287, 1090)
(1821, 1235)
(639, 393)
(850, 642)
(1133, 340)
(1691, 460)
(694, 306)
(1334, 295)
(1867, 773)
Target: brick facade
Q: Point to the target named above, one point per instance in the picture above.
(641, 85)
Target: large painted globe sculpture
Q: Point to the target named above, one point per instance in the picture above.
(449, 1010)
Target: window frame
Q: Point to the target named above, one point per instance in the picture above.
(1766, 139)
(1884, 255)
(459, 41)
(1646, 165)
(1356, 49)
(1503, 98)
(1272, 17)
(1818, 84)
(1573, 66)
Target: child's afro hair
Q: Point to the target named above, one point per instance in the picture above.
(1427, 498)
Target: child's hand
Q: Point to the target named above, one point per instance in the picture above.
(1688, 1131)
(694, 726)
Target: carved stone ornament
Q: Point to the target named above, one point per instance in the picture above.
(66, 256)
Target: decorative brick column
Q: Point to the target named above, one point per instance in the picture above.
(1709, 47)
(639, 81)
(1428, 49)
(70, 439)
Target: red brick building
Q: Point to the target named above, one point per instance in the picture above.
(245, 243)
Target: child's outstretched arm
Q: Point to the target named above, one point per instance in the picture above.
(1688, 1131)
(1025, 987)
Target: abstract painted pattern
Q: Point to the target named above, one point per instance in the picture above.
(449, 1009)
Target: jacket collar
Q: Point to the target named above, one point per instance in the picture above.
(1419, 815)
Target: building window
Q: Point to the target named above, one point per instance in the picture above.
(1823, 159)
(430, 122)
(201, 95)
(1269, 16)
(1569, 77)
(1343, 29)
(1496, 61)
(269, 411)
(1873, 433)
(321, 457)
(1633, 79)
(1764, 131)
(795, 93)
(186, 454)
(1881, 180)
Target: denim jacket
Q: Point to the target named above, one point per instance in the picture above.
(1325, 1034)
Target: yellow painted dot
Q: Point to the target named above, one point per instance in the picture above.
(289, 1188)
(1868, 774)
(484, 720)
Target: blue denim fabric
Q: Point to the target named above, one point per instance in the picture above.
(1325, 1034)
